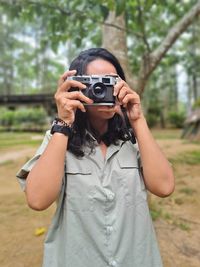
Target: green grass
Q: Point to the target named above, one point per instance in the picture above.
(188, 191)
(12, 139)
(182, 225)
(190, 158)
(166, 133)
(157, 212)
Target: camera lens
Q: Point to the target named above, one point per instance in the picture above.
(98, 90)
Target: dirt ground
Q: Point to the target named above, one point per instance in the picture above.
(176, 218)
(178, 226)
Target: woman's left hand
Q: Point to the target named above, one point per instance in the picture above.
(129, 99)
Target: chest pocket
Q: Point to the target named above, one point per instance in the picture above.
(128, 157)
(80, 186)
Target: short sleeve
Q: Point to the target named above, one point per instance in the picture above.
(24, 171)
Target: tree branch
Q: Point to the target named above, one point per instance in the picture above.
(151, 61)
(27, 2)
(141, 20)
(175, 32)
(138, 35)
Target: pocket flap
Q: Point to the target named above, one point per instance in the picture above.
(77, 166)
(128, 162)
(127, 157)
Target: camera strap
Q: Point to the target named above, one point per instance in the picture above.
(128, 131)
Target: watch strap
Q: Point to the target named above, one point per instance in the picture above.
(59, 128)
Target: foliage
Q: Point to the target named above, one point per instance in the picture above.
(40, 38)
(23, 118)
(153, 107)
(177, 119)
(80, 22)
(6, 117)
(25, 65)
(152, 119)
(197, 103)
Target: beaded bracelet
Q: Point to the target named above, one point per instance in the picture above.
(61, 126)
(61, 121)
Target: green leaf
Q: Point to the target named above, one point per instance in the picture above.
(104, 11)
(120, 7)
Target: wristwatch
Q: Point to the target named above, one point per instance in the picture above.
(59, 127)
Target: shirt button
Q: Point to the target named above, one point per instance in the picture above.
(113, 263)
(110, 196)
(109, 230)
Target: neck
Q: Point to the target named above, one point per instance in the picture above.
(100, 126)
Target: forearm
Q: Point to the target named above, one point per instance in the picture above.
(45, 179)
(157, 171)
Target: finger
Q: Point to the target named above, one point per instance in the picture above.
(73, 105)
(64, 76)
(122, 93)
(68, 73)
(77, 95)
(67, 84)
(117, 77)
(118, 87)
(130, 98)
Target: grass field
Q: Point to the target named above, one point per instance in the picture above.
(176, 218)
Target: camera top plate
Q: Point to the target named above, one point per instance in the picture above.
(91, 79)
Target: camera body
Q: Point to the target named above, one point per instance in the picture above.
(98, 88)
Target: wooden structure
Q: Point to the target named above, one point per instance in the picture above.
(14, 101)
(192, 126)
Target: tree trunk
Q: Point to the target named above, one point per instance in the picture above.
(114, 39)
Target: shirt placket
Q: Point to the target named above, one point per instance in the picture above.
(109, 202)
(110, 213)
(109, 227)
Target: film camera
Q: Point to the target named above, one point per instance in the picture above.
(99, 88)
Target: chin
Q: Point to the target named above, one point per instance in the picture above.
(106, 115)
(101, 112)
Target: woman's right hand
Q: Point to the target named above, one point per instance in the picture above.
(68, 102)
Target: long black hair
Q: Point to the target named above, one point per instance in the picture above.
(118, 126)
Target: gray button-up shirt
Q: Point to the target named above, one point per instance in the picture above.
(102, 217)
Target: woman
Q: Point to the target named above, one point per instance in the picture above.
(92, 166)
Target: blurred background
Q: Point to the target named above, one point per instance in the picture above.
(158, 45)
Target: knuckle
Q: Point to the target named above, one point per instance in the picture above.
(77, 93)
(56, 96)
